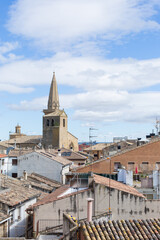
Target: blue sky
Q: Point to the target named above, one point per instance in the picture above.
(106, 56)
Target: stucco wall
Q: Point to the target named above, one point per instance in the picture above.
(34, 162)
(124, 205)
(54, 211)
(18, 226)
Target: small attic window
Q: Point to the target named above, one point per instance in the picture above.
(63, 122)
(47, 123)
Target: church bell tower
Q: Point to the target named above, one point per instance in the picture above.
(55, 129)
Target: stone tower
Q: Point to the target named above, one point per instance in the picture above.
(55, 129)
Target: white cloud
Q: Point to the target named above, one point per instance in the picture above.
(11, 88)
(33, 105)
(6, 47)
(6, 54)
(87, 74)
(104, 106)
(59, 23)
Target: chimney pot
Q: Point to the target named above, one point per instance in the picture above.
(89, 209)
(59, 152)
(25, 175)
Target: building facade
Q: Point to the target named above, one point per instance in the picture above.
(45, 164)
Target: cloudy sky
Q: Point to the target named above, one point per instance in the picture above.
(106, 55)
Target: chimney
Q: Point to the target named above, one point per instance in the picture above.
(59, 152)
(25, 175)
(90, 178)
(89, 209)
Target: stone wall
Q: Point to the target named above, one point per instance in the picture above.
(4, 229)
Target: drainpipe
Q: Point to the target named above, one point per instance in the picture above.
(89, 209)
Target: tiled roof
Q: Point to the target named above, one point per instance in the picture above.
(40, 182)
(5, 144)
(95, 164)
(18, 152)
(57, 112)
(57, 195)
(3, 155)
(23, 139)
(122, 229)
(13, 192)
(71, 156)
(98, 146)
(52, 196)
(49, 155)
(116, 185)
(55, 157)
(37, 177)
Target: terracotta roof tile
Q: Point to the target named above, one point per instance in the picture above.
(3, 155)
(52, 196)
(57, 195)
(22, 139)
(121, 229)
(117, 185)
(13, 192)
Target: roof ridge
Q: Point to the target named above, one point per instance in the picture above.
(117, 154)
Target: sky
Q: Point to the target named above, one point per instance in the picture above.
(106, 56)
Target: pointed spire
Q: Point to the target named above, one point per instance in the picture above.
(53, 101)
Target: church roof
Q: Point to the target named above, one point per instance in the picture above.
(53, 101)
(23, 139)
(57, 112)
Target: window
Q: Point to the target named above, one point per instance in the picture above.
(63, 122)
(47, 123)
(117, 165)
(14, 162)
(145, 166)
(19, 213)
(52, 123)
(2, 161)
(14, 175)
(157, 165)
(131, 166)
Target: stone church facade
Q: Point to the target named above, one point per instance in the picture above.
(55, 123)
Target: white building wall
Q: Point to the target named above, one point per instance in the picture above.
(7, 167)
(65, 170)
(35, 162)
(18, 225)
